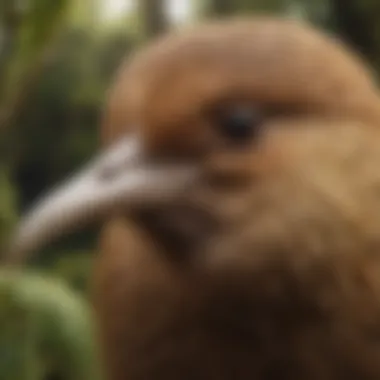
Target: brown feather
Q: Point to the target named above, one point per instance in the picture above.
(283, 279)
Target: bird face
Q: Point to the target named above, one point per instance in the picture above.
(248, 152)
(261, 127)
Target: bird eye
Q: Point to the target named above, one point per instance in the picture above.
(240, 123)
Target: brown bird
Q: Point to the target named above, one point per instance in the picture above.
(240, 192)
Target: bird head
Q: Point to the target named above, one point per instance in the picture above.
(232, 143)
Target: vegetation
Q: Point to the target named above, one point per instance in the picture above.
(57, 59)
(49, 330)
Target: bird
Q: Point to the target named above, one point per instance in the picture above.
(239, 191)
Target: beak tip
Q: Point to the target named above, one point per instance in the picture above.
(84, 199)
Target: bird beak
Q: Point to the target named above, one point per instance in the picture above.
(121, 177)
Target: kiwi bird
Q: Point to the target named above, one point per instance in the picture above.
(240, 195)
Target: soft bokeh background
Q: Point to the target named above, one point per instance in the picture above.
(57, 59)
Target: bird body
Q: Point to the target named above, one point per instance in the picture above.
(264, 264)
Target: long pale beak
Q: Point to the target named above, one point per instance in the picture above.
(120, 177)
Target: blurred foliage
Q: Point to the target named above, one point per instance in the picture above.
(8, 216)
(47, 330)
(57, 59)
(54, 75)
(153, 16)
(28, 28)
(74, 268)
(58, 129)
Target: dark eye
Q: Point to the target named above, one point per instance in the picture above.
(240, 123)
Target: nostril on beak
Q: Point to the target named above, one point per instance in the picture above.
(109, 172)
(119, 161)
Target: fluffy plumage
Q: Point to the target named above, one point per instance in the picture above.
(267, 265)
(282, 279)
